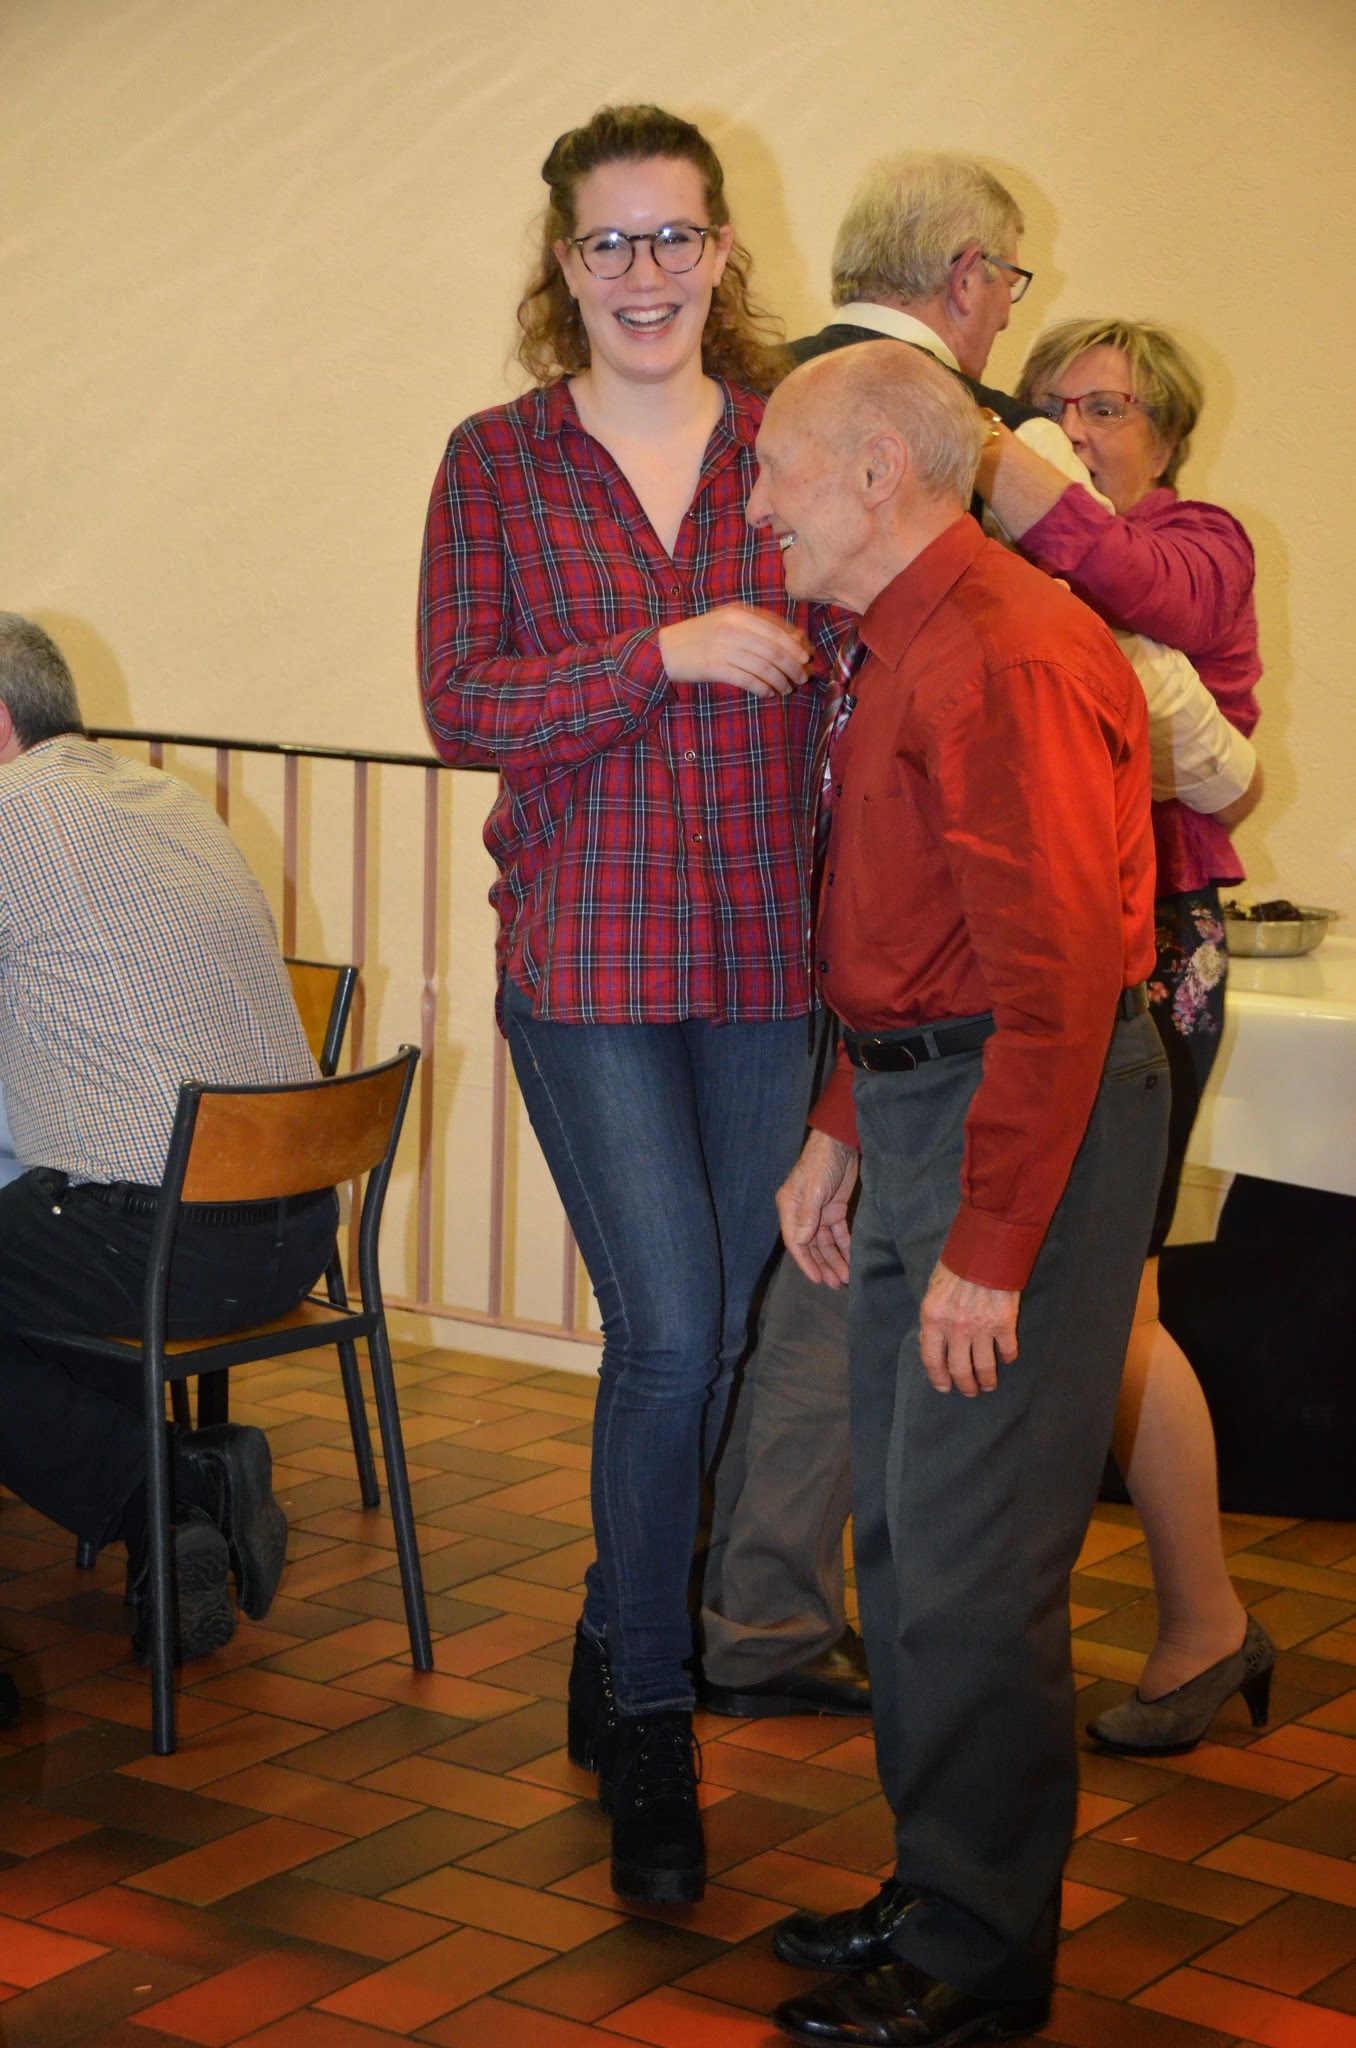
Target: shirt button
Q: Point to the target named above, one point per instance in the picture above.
(823, 966)
(696, 839)
(830, 878)
(838, 789)
(691, 754)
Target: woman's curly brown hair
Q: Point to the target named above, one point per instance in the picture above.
(742, 342)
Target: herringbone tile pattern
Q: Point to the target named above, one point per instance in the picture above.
(344, 1854)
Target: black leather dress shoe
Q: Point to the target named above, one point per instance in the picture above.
(833, 1682)
(233, 1475)
(856, 1940)
(899, 2006)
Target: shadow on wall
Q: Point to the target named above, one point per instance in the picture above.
(105, 698)
(782, 280)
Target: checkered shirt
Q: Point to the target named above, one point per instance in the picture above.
(136, 951)
(652, 837)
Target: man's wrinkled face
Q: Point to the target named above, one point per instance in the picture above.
(806, 496)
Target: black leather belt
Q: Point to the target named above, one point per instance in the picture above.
(127, 1198)
(899, 1052)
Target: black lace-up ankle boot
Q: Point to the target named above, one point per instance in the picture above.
(591, 1714)
(658, 1855)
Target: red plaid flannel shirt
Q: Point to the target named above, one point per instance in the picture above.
(652, 837)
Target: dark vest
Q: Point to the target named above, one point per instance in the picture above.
(838, 334)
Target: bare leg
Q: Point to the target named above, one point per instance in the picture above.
(1165, 1446)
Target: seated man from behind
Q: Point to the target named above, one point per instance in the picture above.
(136, 951)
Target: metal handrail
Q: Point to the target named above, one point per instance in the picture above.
(497, 1311)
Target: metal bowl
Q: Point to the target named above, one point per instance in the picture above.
(1278, 938)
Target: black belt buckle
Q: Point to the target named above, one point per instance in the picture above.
(882, 1056)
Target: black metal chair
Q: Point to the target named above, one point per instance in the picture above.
(323, 992)
(234, 1145)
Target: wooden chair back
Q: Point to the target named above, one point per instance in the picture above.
(323, 994)
(257, 1144)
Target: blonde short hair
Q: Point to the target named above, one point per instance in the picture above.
(908, 221)
(1162, 375)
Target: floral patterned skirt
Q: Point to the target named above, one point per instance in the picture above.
(1186, 998)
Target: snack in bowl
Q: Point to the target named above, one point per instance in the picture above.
(1276, 929)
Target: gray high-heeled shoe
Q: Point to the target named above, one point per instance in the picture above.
(1175, 1723)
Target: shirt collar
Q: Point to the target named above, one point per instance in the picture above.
(896, 613)
(899, 325)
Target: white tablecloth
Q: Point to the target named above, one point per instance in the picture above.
(1282, 1099)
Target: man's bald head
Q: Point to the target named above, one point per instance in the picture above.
(853, 395)
(864, 457)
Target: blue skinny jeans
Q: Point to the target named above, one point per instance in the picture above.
(667, 1143)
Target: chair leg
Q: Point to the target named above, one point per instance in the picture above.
(398, 1487)
(160, 1590)
(85, 1554)
(368, 1488)
(214, 1399)
(179, 1404)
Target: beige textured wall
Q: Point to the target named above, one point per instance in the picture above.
(260, 255)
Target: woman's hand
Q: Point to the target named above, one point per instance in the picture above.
(752, 650)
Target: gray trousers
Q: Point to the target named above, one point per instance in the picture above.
(968, 1514)
(772, 1591)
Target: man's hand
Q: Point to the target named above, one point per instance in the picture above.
(963, 1330)
(736, 644)
(812, 1202)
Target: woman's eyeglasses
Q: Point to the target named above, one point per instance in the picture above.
(1094, 408)
(676, 247)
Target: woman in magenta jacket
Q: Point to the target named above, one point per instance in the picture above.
(1178, 571)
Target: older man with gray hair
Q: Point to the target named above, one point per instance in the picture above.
(985, 926)
(926, 256)
(136, 948)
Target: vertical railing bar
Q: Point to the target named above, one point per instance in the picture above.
(498, 1176)
(224, 784)
(569, 1283)
(290, 838)
(156, 753)
(357, 1035)
(428, 1014)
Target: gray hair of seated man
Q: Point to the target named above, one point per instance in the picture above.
(908, 221)
(36, 687)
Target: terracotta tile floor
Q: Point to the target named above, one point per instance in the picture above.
(344, 1854)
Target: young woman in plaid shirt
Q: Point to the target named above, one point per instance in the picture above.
(597, 619)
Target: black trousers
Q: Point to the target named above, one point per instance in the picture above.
(72, 1435)
(968, 1514)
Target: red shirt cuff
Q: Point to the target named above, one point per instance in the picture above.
(990, 1252)
(833, 1113)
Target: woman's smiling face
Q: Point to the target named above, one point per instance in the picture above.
(647, 325)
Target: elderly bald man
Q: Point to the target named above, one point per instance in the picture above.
(985, 927)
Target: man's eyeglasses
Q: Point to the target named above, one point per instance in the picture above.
(1094, 408)
(1018, 279)
(676, 247)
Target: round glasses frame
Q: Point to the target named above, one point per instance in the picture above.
(661, 249)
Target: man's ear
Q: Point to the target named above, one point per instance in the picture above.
(960, 279)
(886, 465)
(9, 739)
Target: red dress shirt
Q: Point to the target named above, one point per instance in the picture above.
(1181, 571)
(990, 849)
(652, 837)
